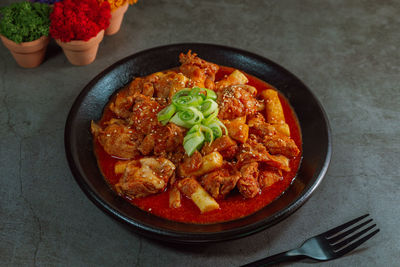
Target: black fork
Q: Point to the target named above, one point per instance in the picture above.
(329, 245)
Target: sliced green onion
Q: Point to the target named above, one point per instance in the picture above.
(187, 101)
(216, 129)
(211, 94)
(204, 93)
(193, 143)
(211, 118)
(209, 106)
(197, 91)
(188, 117)
(195, 128)
(222, 126)
(178, 121)
(208, 133)
(189, 136)
(165, 114)
(196, 110)
(182, 92)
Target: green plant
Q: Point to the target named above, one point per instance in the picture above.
(25, 21)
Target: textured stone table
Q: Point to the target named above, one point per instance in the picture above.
(347, 52)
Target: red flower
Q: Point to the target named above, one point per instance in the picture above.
(79, 19)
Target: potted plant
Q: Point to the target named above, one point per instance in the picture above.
(78, 27)
(118, 9)
(24, 30)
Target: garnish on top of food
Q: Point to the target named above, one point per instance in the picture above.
(194, 109)
(183, 136)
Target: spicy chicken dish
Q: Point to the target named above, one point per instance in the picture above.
(200, 143)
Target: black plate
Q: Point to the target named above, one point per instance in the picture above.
(91, 101)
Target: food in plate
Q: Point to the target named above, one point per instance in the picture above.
(200, 143)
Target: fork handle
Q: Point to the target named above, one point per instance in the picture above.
(291, 255)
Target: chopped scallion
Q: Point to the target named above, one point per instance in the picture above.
(209, 106)
(165, 114)
(196, 110)
(194, 143)
(188, 117)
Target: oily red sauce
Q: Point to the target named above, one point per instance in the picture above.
(234, 206)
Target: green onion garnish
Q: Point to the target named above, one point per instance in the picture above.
(195, 142)
(211, 118)
(215, 127)
(204, 93)
(211, 94)
(188, 117)
(208, 133)
(166, 114)
(185, 101)
(209, 106)
(194, 109)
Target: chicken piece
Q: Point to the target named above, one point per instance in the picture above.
(237, 129)
(219, 183)
(267, 178)
(125, 99)
(200, 72)
(237, 101)
(224, 145)
(190, 164)
(118, 139)
(252, 151)
(280, 144)
(259, 127)
(193, 190)
(163, 140)
(169, 83)
(235, 78)
(144, 85)
(248, 183)
(168, 139)
(177, 155)
(279, 161)
(120, 166)
(122, 105)
(147, 145)
(144, 114)
(145, 177)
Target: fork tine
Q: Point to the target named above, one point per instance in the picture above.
(351, 238)
(343, 235)
(343, 226)
(356, 244)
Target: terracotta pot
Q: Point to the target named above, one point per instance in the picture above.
(116, 19)
(82, 53)
(27, 54)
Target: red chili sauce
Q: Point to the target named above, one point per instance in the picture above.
(234, 206)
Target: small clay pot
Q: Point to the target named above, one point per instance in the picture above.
(82, 53)
(116, 19)
(27, 54)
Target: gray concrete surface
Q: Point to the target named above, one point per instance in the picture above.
(346, 51)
